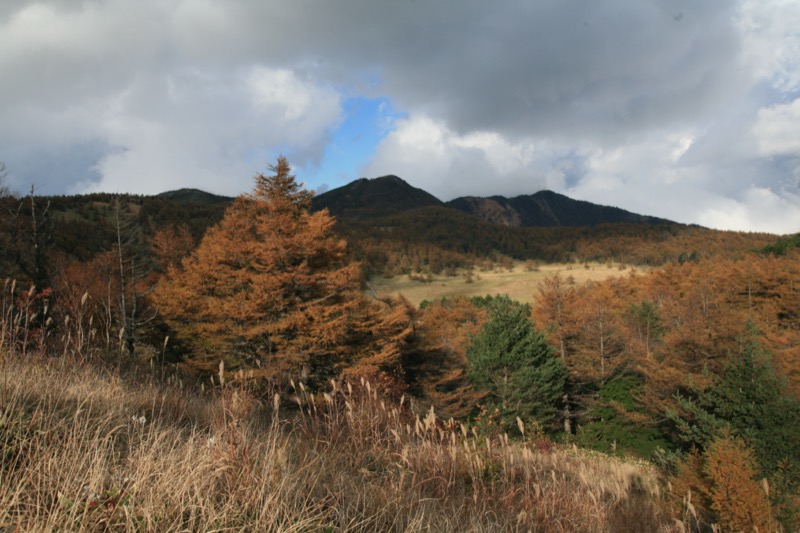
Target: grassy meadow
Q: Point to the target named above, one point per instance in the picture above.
(520, 282)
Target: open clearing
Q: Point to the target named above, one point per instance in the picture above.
(519, 283)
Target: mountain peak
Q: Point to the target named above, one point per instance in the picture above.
(370, 198)
(193, 195)
(373, 198)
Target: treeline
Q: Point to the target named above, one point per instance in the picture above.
(437, 239)
(433, 239)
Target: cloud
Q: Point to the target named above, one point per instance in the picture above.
(759, 208)
(211, 132)
(770, 44)
(109, 91)
(777, 129)
(685, 109)
(447, 164)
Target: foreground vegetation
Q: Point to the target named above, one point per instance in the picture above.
(103, 448)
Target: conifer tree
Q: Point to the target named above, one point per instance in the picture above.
(437, 362)
(737, 493)
(749, 399)
(513, 362)
(271, 289)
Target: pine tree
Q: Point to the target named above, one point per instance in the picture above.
(512, 361)
(748, 398)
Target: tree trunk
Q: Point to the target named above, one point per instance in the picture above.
(567, 416)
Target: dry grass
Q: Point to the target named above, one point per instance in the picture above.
(519, 283)
(87, 450)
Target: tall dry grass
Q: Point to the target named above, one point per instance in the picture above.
(83, 450)
(97, 448)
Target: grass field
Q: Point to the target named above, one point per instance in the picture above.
(519, 283)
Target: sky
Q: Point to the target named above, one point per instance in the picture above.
(682, 109)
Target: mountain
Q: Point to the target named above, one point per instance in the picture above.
(546, 209)
(373, 198)
(193, 195)
(366, 199)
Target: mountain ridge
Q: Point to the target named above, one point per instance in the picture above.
(365, 199)
(547, 209)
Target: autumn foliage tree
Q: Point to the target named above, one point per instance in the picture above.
(738, 497)
(725, 486)
(171, 244)
(436, 360)
(270, 289)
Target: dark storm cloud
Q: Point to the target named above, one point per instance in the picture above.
(554, 67)
(579, 68)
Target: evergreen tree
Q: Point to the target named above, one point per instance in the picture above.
(512, 361)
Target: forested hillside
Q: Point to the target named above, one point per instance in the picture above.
(547, 209)
(390, 226)
(692, 365)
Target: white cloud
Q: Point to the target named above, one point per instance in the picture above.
(771, 43)
(777, 130)
(211, 130)
(429, 155)
(759, 209)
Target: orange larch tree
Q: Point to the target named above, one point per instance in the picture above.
(271, 289)
(600, 350)
(556, 313)
(171, 244)
(436, 361)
